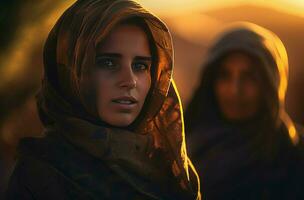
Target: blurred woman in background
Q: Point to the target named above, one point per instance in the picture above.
(241, 139)
(111, 112)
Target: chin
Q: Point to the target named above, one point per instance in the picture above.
(121, 121)
(123, 124)
(238, 117)
(234, 119)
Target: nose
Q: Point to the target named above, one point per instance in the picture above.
(127, 78)
(236, 87)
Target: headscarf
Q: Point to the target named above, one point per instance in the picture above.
(264, 46)
(67, 98)
(230, 155)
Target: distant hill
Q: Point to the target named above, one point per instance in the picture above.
(188, 59)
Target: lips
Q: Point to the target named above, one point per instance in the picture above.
(125, 100)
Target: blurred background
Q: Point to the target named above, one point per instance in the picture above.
(194, 24)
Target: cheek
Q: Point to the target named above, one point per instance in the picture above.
(144, 85)
(220, 90)
(103, 90)
(252, 92)
(253, 98)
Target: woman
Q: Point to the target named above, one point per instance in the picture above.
(112, 116)
(242, 142)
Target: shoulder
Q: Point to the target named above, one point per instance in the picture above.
(300, 130)
(31, 178)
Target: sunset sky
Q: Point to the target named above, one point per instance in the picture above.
(177, 6)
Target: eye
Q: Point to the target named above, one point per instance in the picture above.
(251, 76)
(223, 75)
(106, 63)
(140, 66)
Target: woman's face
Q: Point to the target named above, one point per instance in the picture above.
(123, 62)
(238, 87)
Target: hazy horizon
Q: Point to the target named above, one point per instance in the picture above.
(173, 7)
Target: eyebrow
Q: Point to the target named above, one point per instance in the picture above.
(144, 58)
(117, 55)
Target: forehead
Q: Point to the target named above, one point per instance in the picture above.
(125, 38)
(238, 62)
